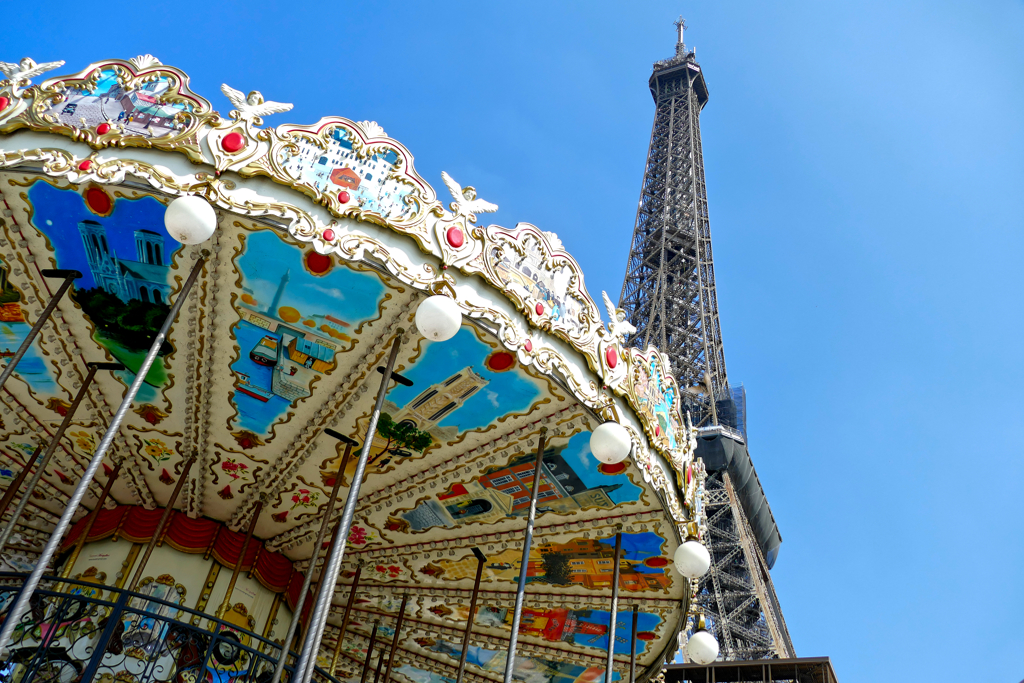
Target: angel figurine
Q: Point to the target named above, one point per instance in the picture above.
(618, 327)
(22, 73)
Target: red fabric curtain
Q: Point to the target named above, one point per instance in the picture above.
(106, 524)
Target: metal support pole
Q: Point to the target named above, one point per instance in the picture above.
(52, 446)
(12, 490)
(380, 662)
(615, 607)
(480, 559)
(394, 638)
(29, 587)
(168, 509)
(69, 277)
(318, 620)
(369, 653)
(632, 648)
(297, 612)
(226, 605)
(510, 660)
(91, 520)
(344, 619)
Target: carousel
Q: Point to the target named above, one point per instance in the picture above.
(273, 409)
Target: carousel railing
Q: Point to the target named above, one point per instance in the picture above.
(83, 632)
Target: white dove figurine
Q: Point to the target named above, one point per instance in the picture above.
(252, 107)
(22, 73)
(618, 327)
(466, 204)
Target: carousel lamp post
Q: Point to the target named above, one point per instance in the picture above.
(701, 647)
(93, 516)
(614, 611)
(18, 480)
(44, 460)
(480, 559)
(345, 618)
(693, 561)
(297, 612)
(190, 220)
(510, 659)
(69, 277)
(159, 531)
(394, 638)
(226, 605)
(438, 321)
(632, 647)
(369, 653)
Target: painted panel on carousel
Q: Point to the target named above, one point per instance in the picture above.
(124, 253)
(459, 385)
(584, 562)
(13, 330)
(655, 392)
(531, 669)
(571, 479)
(298, 311)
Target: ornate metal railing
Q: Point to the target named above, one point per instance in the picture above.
(81, 632)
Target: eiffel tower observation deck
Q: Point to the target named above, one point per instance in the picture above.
(669, 295)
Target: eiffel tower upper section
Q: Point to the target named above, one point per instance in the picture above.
(669, 288)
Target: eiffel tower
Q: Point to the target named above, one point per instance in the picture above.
(669, 296)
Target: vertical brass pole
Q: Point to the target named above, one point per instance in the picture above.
(168, 509)
(369, 653)
(344, 619)
(12, 490)
(226, 605)
(394, 638)
(297, 614)
(517, 614)
(472, 613)
(69, 277)
(615, 608)
(632, 648)
(90, 520)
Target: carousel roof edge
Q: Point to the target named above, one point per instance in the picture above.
(156, 110)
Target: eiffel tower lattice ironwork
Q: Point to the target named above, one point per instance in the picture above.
(669, 296)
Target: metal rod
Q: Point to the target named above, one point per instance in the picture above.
(91, 520)
(394, 638)
(318, 620)
(226, 605)
(632, 647)
(29, 587)
(297, 612)
(52, 446)
(480, 559)
(615, 607)
(19, 480)
(369, 653)
(168, 509)
(510, 660)
(380, 662)
(344, 619)
(69, 277)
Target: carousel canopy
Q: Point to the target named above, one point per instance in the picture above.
(327, 241)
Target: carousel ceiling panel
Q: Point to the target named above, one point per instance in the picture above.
(308, 281)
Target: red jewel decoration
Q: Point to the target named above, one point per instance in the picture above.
(657, 431)
(611, 468)
(539, 308)
(656, 562)
(612, 357)
(455, 237)
(233, 142)
(646, 635)
(85, 165)
(98, 200)
(3, 103)
(528, 346)
(318, 263)
(103, 128)
(343, 197)
(499, 361)
(328, 235)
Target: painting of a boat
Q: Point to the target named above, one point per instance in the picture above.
(266, 351)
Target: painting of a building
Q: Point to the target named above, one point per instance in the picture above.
(561, 489)
(437, 402)
(144, 279)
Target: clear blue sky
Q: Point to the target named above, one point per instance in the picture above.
(865, 165)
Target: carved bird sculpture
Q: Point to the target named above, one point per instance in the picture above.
(466, 204)
(252, 107)
(22, 73)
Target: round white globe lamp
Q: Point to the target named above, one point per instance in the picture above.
(190, 219)
(692, 559)
(702, 648)
(438, 318)
(610, 443)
